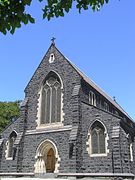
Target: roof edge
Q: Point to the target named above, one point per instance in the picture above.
(98, 89)
(87, 80)
(52, 44)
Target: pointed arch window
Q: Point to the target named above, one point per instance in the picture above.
(98, 138)
(51, 100)
(10, 145)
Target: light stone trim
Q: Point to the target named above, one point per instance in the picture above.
(96, 175)
(131, 151)
(9, 158)
(88, 142)
(7, 147)
(98, 155)
(39, 107)
(129, 139)
(18, 138)
(6, 151)
(1, 141)
(38, 119)
(15, 174)
(48, 129)
(41, 154)
(115, 132)
(51, 58)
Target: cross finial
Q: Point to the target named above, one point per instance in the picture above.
(114, 98)
(53, 40)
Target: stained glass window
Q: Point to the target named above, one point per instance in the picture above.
(97, 138)
(51, 100)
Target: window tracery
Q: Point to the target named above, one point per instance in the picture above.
(97, 138)
(51, 100)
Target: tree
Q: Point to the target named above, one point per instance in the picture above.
(13, 12)
(9, 111)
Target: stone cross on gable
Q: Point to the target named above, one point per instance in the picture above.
(53, 40)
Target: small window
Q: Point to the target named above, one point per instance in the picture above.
(98, 101)
(97, 138)
(52, 58)
(116, 112)
(71, 147)
(10, 145)
(92, 98)
(106, 106)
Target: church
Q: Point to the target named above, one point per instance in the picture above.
(68, 127)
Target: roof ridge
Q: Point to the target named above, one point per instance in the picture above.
(86, 79)
(95, 86)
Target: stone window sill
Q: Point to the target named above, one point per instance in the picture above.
(9, 158)
(49, 125)
(98, 155)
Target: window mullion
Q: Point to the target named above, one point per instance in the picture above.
(98, 143)
(51, 100)
(50, 104)
(92, 98)
(56, 103)
(45, 108)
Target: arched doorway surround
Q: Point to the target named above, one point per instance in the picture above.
(47, 158)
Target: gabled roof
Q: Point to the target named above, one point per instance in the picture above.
(98, 89)
(87, 80)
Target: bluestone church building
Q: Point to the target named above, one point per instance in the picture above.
(67, 126)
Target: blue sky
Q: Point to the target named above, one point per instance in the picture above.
(101, 44)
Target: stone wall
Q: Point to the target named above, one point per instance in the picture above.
(103, 164)
(9, 165)
(32, 142)
(69, 79)
(72, 143)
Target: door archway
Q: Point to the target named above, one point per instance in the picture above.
(46, 158)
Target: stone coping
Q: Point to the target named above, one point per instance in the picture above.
(32, 178)
(64, 175)
(96, 174)
(16, 174)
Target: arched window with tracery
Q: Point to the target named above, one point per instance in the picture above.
(51, 100)
(10, 144)
(98, 138)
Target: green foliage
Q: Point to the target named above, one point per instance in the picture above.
(56, 8)
(13, 12)
(8, 111)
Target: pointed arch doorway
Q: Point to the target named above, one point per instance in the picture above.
(46, 158)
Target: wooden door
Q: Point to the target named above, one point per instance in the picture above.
(50, 164)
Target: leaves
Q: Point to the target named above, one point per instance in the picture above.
(56, 8)
(13, 12)
(12, 15)
(30, 18)
(8, 111)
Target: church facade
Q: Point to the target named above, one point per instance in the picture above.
(67, 126)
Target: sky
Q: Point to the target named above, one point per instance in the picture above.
(101, 44)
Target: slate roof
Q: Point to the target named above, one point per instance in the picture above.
(89, 81)
(98, 89)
